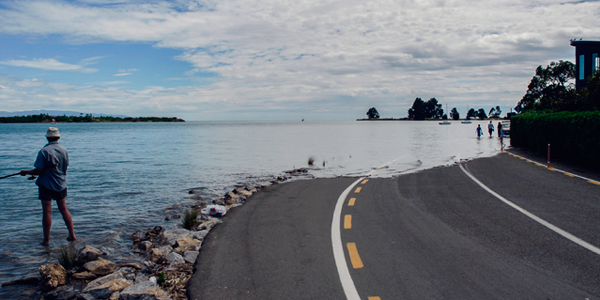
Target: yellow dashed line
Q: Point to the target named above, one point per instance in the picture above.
(358, 190)
(348, 222)
(354, 257)
(364, 181)
(351, 202)
(570, 175)
(539, 165)
(594, 182)
(374, 298)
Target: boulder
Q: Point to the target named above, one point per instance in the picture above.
(53, 276)
(144, 246)
(87, 254)
(187, 244)
(171, 236)
(243, 192)
(102, 280)
(175, 258)
(100, 267)
(108, 288)
(161, 251)
(66, 292)
(147, 290)
(190, 256)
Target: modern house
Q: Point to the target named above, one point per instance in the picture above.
(587, 60)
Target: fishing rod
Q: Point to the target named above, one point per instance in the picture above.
(32, 177)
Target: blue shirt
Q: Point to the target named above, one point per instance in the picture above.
(53, 178)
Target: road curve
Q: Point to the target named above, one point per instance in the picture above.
(435, 234)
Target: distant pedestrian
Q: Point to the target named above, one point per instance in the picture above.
(51, 167)
(490, 128)
(479, 131)
(500, 132)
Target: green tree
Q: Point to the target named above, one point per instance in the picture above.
(454, 114)
(433, 109)
(471, 114)
(481, 114)
(417, 111)
(373, 113)
(548, 86)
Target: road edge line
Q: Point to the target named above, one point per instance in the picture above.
(564, 233)
(338, 248)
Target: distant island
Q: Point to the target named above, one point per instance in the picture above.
(88, 118)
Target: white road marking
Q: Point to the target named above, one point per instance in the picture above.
(565, 234)
(338, 248)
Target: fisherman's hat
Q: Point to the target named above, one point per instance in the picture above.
(52, 132)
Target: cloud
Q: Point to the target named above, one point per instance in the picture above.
(289, 53)
(48, 64)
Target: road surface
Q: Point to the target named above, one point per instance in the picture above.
(492, 228)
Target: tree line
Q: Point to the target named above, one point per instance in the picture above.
(431, 109)
(45, 118)
(551, 90)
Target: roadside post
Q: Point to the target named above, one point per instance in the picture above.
(549, 157)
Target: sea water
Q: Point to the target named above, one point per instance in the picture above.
(123, 176)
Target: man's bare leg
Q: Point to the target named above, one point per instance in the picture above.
(62, 207)
(46, 221)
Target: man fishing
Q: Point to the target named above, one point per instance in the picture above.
(51, 167)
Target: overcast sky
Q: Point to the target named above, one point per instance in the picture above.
(279, 60)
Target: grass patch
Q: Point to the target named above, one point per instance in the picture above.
(66, 256)
(189, 219)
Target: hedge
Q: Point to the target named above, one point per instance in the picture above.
(573, 136)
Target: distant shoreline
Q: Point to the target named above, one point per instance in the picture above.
(44, 118)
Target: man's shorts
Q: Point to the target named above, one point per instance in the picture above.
(48, 195)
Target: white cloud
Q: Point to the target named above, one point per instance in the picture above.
(285, 53)
(47, 64)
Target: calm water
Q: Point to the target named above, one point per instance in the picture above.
(122, 176)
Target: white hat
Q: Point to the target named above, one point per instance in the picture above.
(52, 132)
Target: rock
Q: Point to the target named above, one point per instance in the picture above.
(28, 280)
(186, 244)
(106, 289)
(53, 276)
(175, 258)
(85, 297)
(84, 276)
(134, 265)
(66, 292)
(144, 246)
(161, 251)
(102, 280)
(100, 267)
(190, 256)
(243, 192)
(170, 237)
(87, 254)
(147, 290)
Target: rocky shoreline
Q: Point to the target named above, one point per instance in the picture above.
(163, 259)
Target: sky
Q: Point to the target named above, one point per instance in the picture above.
(280, 60)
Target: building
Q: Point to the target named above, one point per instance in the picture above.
(587, 60)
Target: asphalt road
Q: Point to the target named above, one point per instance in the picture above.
(435, 234)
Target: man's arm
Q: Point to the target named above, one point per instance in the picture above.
(36, 172)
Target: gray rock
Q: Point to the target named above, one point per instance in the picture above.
(175, 258)
(147, 290)
(161, 251)
(87, 254)
(66, 292)
(86, 297)
(187, 244)
(144, 246)
(190, 256)
(106, 289)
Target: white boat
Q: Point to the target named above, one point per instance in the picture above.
(445, 123)
(465, 122)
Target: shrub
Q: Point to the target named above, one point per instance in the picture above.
(66, 256)
(189, 219)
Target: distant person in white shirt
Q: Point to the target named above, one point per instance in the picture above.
(51, 167)
(490, 128)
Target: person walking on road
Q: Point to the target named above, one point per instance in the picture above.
(479, 131)
(490, 128)
(51, 167)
